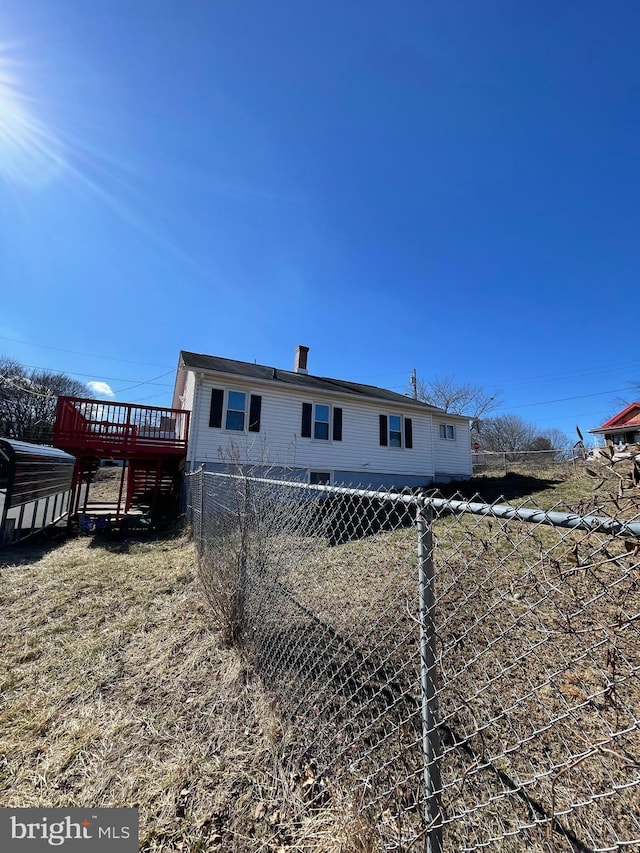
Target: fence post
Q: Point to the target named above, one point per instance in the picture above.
(245, 516)
(428, 683)
(201, 519)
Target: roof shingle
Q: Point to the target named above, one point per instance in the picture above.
(197, 361)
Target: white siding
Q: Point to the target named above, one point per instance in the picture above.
(452, 458)
(279, 441)
(187, 404)
(189, 390)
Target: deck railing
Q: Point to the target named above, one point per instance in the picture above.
(117, 428)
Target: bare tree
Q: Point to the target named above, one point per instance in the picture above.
(508, 434)
(458, 398)
(28, 398)
(512, 435)
(621, 402)
(561, 443)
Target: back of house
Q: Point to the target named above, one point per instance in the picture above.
(315, 429)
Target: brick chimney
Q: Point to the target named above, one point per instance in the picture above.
(301, 359)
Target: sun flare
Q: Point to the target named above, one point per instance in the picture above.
(31, 154)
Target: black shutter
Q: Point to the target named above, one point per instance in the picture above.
(305, 430)
(337, 424)
(384, 436)
(255, 408)
(408, 433)
(215, 414)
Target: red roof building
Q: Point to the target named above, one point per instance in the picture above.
(623, 428)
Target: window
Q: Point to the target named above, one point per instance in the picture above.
(236, 408)
(321, 421)
(396, 431)
(448, 431)
(320, 478)
(229, 409)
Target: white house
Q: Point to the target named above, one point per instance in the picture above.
(315, 428)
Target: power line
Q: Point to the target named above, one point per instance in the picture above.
(150, 397)
(573, 374)
(564, 399)
(27, 390)
(83, 354)
(92, 375)
(136, 384)
(146, 382)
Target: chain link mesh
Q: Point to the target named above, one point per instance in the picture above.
(534, 635)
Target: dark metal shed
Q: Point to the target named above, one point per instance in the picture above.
(35, 488)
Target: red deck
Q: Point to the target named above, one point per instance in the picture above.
(119, 430)
(152, 441)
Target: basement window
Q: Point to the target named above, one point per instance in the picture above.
(320, 478)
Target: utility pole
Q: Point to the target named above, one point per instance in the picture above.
(414, 384)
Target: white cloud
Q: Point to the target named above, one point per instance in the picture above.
(103, 389)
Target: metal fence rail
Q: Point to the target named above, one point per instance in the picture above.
(501, 462)
(469, 672)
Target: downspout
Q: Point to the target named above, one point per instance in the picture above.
(433, 455)
(194, 424)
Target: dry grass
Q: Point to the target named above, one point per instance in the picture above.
(581, 485)
(117, 692)
(105, 485)
(538, 648)
(540, 658)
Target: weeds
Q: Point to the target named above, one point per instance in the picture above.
(116, 692)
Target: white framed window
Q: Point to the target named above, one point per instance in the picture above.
(321, 419)
(396, 431)
(448, 432)
(236, 410)
(321, 422)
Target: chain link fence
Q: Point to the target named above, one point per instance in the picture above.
(500, 462)
(468, 672)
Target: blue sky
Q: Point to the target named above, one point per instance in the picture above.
(447, 186)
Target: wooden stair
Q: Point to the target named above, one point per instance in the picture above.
(153, 486)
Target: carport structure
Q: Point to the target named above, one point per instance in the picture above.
(152, 442)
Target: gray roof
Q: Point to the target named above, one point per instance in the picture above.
(14, 448)
(304, 381)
